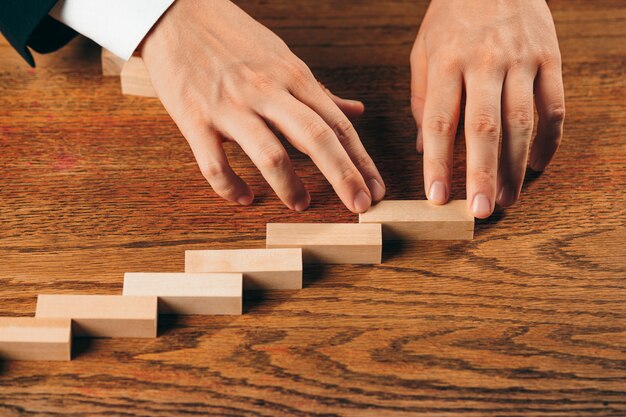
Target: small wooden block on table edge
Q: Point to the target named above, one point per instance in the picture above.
(263, 269)
(35, 339)
(102, 315)
(136, 80)
(111, 64)
(421, 220)
(329, 243)
(188, 293)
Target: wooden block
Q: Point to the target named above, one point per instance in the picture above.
(329, 243)
(111, 63)
(136, 80)
(263, 269)
(183, 293)
(35, 339)
(421, 220)
(102, 315)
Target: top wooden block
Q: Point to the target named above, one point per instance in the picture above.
(30, 338)
(135, 79)
(111, 64)
(421, 220)
(102, 315)
(188, 293)
(329, 243)
(263, 269)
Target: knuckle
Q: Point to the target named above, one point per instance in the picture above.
(492, 63)
(211, 170)
(261, 81)
(272, 157)
(348, 174)
(342, 127)
(556, 114)
(487, 59)
(517, 59)
(550, 58)
(441, 125)
(437, 164)
(483, 176)
(363, 160)
(299, 73)
(317, 132)
(485, 124)
(521, 120)
(447, 63)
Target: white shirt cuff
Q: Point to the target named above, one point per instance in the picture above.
(117, 25)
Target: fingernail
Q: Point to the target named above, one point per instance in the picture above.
(356, 102)
(245, 200)
(362, 202)
(506, 197)
(377, 190)
(481, 207)
(438, 193)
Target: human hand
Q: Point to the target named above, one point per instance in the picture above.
(498, 53)
(223, 76)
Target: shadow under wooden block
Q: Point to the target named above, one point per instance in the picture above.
(263, 269)
(189, 293)
(329, 243)
(35, 339)
(136, 80)
(421, 220)
(102, 315)
(111, 64)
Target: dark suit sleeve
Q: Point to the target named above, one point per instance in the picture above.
(25, 23)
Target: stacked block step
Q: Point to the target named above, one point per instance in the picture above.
(102, 315)
(329, 243)
(262, 269)
(214, 280)
(185, 293)
(421, 220)
(35, 339)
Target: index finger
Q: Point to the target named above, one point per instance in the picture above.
(310, 134)
(320, 102)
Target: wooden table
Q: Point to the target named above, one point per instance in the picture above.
(527, 319)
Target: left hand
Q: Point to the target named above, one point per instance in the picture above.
(499, 53)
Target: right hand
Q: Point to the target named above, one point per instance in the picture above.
(223, 76)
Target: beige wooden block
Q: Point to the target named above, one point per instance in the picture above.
(111, 63)
(421, 220)
(35, 339)
(263, 269)
(136, 80)
(329, 243)
(188, 293)
(102, 315)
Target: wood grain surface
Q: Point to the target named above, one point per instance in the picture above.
(526, 319)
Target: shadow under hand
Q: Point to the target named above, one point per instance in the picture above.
(531, 176)
(483, 225)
